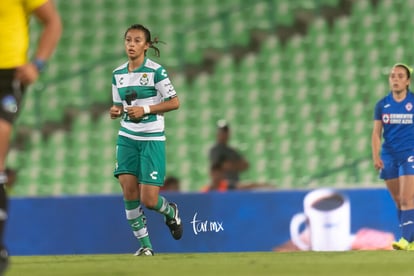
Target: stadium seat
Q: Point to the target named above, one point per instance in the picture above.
(286, 102)
(283, 12)
(259, 16)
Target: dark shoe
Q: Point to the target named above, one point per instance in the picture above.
(174, 224)
(4, 261)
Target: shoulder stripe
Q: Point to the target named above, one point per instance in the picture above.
(152, 64)
(121, 67)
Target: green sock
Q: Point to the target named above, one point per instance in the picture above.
(164, 207)
(136, 219)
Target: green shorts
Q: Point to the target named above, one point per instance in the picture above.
(144, 159)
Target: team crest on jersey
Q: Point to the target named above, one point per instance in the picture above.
(144, 79)
(409, 106)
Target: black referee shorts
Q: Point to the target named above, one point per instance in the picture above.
(11, 94)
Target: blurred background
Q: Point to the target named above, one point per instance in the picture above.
(297, 81)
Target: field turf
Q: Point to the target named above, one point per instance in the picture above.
(246, 263)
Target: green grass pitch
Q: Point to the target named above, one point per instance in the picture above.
(244, 263)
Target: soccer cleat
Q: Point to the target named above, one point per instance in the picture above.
(410, 246)
(174, 224)
(144, 251)
(402, 244)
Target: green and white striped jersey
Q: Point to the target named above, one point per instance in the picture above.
(147, 85)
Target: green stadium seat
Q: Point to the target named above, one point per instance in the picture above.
(361, 8)
(283, 12)
(239, 34)
(192, 51)
(218, 30)
(284, 105)
(259, 16)
(331, 3)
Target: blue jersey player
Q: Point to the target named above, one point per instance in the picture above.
(393, 120)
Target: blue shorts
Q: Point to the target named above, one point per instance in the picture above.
(397, 164)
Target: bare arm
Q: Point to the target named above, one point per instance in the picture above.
(136, 112)
(376, 144)
(165, 106)
(52, 30)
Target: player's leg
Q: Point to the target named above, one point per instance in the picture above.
(390, 174)
(11, 93)
(153, 200)
(125, 170)
(407, 208)
(133, 210)
(393, 186)
(152, 177)
(5, 132)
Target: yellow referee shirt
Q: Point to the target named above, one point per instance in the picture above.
(14, 31)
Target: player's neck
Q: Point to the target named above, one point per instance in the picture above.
(399, 95)
(134, 64)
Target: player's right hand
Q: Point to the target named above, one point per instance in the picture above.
(378, 164)
(115, 112)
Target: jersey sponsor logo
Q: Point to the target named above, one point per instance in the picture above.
(393, 118)
(386, 118)
(408, 106)
(121, 80)
(170, 88)
(130, 96)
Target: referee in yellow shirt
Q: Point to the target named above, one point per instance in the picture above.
(17, 71)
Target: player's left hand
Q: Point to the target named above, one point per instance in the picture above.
(135, 112)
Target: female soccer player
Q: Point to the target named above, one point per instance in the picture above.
(142, 93)
(393, 119)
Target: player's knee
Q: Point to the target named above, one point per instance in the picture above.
(130, 192)
(150, 203)
(397, 200)
(406, 203)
